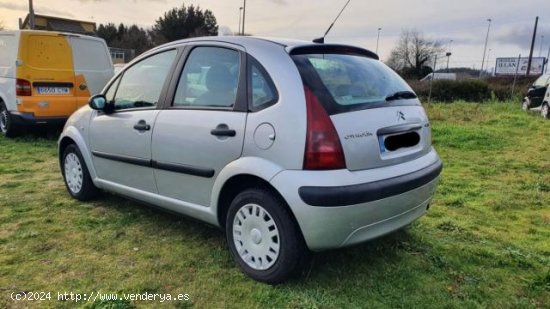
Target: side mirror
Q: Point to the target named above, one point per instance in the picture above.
(98, 102)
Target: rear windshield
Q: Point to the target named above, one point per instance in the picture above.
(344, 82)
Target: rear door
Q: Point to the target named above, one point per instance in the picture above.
(378, 118)
(203, 129)
(47, 63)
(92, 67)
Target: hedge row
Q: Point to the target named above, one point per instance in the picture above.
(470, 90)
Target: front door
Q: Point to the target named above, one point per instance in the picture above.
(121, 140)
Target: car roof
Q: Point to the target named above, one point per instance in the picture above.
(259, 42)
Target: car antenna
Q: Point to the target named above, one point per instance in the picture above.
(322, 39)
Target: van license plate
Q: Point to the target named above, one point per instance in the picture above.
(52, 90)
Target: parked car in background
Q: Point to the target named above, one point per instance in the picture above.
(288, 146)
(536, 93)
(45, 76)
(545, 108)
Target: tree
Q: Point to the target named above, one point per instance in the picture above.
(1, 25)
(413, 54)
(184, 22)
(132, 37)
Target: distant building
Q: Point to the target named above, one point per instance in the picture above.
(52, 23)
(122, 55)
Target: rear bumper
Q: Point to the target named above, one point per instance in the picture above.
(368, 192)
(341, 208)
(29, 119)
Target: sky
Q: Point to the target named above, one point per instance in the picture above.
(464, 22)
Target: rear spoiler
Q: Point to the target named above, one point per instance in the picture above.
(331, 49)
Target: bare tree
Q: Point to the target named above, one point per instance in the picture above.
(414, 54)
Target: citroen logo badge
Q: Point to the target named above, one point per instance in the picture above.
(400, 116)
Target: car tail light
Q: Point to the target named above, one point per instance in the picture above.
(323, 148)
(23, 87)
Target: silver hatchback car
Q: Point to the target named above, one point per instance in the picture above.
(289, 146)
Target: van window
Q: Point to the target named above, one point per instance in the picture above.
(49, 52)
(90, 55)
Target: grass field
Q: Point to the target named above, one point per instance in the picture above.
(484, 243)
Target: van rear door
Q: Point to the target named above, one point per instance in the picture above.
(47, 63)
(93, 67)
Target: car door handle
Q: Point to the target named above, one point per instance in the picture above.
(223, 130)
(142, 126)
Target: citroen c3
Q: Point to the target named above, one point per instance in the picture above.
(45, 76)
(288, 146)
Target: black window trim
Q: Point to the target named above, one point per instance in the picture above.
(165, 87)
(241, 101)
(253, 62)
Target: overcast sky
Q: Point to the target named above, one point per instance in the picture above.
(463, 21)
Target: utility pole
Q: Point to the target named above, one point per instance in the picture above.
(377, 40)
(31, 15)
(244, 15)
(240, 15)
(448, 54)
(541, 40)
(432, 80)
(532, 47)
(485, 48)
(515, 77)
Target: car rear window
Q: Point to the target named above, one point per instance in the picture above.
(348, 82)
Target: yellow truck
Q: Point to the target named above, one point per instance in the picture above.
(45, 76)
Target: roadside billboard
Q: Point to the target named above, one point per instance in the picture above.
(508, 66)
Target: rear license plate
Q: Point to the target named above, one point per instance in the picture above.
(52, 90)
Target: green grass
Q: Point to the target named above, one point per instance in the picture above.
(484, 243)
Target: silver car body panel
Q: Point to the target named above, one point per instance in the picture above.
(360, 136)
(114, 135)
(337, 226)
(182, 139)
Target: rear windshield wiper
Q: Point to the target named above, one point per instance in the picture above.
(401, 95)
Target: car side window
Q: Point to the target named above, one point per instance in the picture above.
(210, 78)
(141, 84)
(262, 92)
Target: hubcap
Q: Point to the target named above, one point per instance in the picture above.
(544, 111)
(3, 120)
(256, 237)
(73, 173)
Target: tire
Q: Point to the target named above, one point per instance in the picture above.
(7, 127)
(545, 111)
(526, 104)
(254, 214)
(76, 176)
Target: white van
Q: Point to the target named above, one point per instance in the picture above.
(45, 76)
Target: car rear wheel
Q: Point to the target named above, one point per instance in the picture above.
(263, 237)
(7, 127)
(526, 104)
(76, 176)
(545, 111)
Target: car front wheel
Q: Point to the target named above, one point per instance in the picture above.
(545, 111)
(76, 176)
(263, 238)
